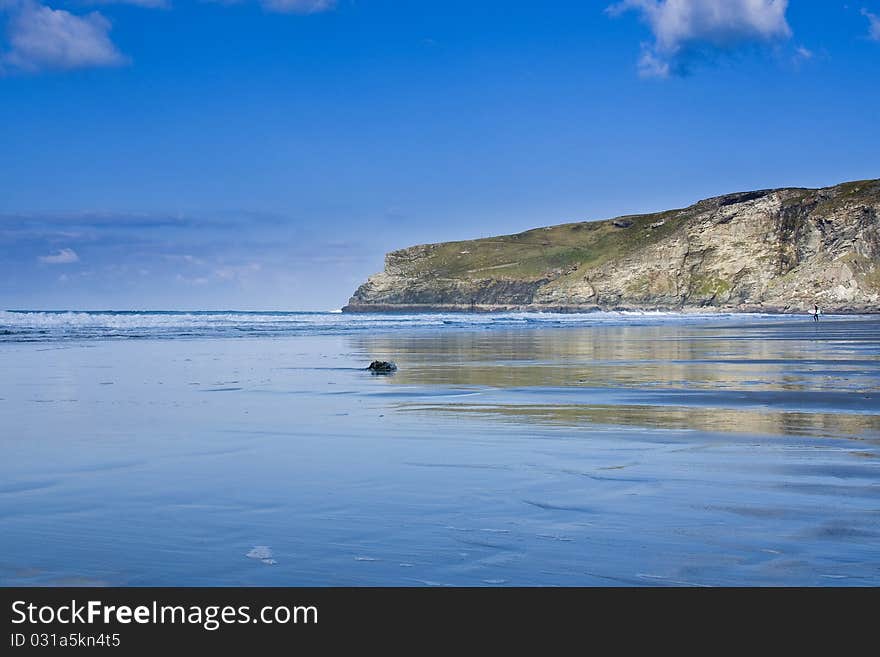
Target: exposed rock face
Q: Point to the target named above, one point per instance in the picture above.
(774, 250)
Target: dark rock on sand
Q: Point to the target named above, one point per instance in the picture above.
(382, 367)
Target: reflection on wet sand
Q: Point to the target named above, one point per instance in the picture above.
(720, 420)
(728, 455)
(760, 378)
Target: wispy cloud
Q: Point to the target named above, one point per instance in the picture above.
(298, 6)
(146, 4)
(128, 221)
(687, 30)
(221, 274)
(802, 53)
(186, 258)
(192, 280)
(873, 24)
(172, 259)
(236, 272)
(41, 38)
(288, 6)
(62, 257)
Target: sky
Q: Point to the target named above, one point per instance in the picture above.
(266, 154)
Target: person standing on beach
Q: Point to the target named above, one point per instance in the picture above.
(816, 312)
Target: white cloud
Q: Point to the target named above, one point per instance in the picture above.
(298, 6)
(63, 257)
(42, 38)
(686, 29)
(874, 24)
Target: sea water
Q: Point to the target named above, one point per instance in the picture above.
(512, 449)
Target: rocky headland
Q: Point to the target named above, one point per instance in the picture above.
(779, 250)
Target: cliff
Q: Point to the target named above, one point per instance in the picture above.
(776, 250)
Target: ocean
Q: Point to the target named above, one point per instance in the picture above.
(632, 449)
(60, 325)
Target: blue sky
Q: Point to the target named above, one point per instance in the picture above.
(265, 155)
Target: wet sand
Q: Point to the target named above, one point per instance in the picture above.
(737, 452)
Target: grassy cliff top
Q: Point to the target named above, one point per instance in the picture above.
(531, 255)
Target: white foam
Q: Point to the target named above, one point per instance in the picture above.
(45, 326)
(263, 554)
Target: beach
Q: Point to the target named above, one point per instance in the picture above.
(587, 450)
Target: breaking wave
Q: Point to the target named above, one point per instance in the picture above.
(52, 326)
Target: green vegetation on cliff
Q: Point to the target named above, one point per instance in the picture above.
(534, 254)
(779, 250)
